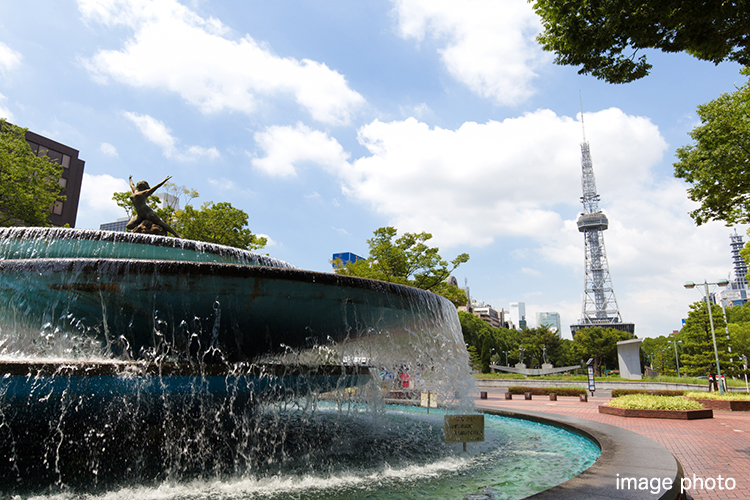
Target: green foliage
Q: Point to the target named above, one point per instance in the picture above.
(698, 356)
(604, 38)
(616, 393)
(659, 352)
(648, 402)
(30, 184)
(718, 165)
(600, 344)
(475, 361)
(219, 223)
(729, 396)
(546, 391)
(407, 260)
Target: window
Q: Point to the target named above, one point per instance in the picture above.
(63, 182)
(57, 208)
(65, 161)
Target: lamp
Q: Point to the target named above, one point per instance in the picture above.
(723, 282)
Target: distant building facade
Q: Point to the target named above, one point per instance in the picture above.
(518, 315)
(345, 258)
(118, 225)
(550, 319)
(63, 212)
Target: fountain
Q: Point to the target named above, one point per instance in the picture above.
(136, 361)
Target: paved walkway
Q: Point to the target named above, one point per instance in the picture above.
(707, 448)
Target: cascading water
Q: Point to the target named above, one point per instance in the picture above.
(137, 364)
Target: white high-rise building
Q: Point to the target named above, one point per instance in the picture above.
(518, 315)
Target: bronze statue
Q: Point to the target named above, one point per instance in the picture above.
(143, 213)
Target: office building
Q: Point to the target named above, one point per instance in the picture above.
(550, 319)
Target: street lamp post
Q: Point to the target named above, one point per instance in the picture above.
(506, 358)
(689, 285)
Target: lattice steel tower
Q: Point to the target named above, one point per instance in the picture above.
(599, 302)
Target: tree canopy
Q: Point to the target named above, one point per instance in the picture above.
(718, 165)
(598, 343)
(605, 38)
(698, 357)
(30, 185)
(219, 223)
(407, 260)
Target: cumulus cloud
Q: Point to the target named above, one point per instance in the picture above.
(157, 132)
(108, 149)
(4, 112)
(96, 205)
(482, 181)
(488, 45)
(287, 147)
(173, 48)
(9, 58)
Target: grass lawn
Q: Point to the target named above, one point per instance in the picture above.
(715, 395)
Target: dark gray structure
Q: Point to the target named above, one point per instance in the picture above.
(62, 212)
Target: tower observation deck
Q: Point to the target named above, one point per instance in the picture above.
(599, 302)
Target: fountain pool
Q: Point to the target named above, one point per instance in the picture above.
(145, 366)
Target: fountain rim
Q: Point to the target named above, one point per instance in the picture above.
(178, 267)
(618, 446)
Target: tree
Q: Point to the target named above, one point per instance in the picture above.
(604, 38)
(598, 343)
(407, 260)
(698, 356)
(29, 185)
(219, 223)
(718, 165)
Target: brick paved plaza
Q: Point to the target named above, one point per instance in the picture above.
(706, 448)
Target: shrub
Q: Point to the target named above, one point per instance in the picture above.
(649, 402)
(624, 392)
(716, 395)
(545, 391)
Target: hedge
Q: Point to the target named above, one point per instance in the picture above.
(545, 391)
(616, 393)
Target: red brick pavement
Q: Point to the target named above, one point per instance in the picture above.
(714, 447)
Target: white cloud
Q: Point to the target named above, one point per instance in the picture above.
(9, 58)
(108, 149)
(157, 132)
(5, 112)
(482, 181)
(175, 49)
(287, 147)
(489, 45)
(96, 205)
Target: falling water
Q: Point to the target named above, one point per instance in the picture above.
(152, 366)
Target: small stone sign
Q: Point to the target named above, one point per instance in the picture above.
(464, 428)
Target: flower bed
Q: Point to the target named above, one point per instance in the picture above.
(732, 402)
(616, 393)
(545, 391)
(648, 406)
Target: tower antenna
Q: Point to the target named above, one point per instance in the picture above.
(583, 127)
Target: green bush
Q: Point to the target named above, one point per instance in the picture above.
(715, 395)
(649, 402)
(624, 392)
(546, 391)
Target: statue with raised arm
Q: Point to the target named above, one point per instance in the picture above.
(143, 213)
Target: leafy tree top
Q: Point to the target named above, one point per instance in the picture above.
(407, 260)
(604, 38)
(30, 184)
(718, 165)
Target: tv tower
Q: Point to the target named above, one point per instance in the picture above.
(599, 302)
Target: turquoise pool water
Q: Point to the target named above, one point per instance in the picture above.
(397, 455)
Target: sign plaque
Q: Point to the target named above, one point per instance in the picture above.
(464, 428)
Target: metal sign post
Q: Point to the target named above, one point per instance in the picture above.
(590, 369)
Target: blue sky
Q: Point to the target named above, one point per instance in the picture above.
(327, 120)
